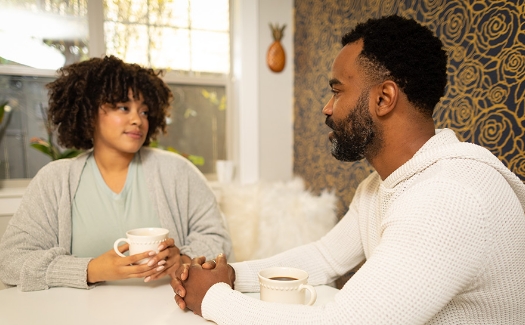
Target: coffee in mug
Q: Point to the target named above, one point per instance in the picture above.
(141, 240)
(283, 278)
(286, 285)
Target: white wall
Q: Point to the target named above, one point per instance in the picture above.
(276, 94)
(263, 100)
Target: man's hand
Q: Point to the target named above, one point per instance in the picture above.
(191, 282)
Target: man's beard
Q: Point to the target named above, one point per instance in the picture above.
(357, 135)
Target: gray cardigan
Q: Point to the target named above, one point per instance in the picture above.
(35, 251)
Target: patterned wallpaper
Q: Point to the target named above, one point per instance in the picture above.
(484, 101)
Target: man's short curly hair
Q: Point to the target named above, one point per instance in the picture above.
(402, 50)
(81, 88)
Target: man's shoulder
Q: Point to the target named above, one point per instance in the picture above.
(370, 184)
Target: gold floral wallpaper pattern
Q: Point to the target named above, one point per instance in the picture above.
(485, 97)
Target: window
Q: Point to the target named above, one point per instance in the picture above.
(178, 34)
(27, 99)
(43, 34)
(190, 39)
(193, 129)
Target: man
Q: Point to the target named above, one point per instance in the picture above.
(440, 223)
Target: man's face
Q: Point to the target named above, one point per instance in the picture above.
(354, 134)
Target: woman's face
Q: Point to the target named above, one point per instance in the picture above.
(123, 127)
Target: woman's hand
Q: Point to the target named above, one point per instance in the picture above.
(169, 256)
(110, 266)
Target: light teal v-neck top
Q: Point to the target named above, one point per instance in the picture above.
(101, 216)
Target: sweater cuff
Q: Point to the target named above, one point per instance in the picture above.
(244, 278)
(68, 271)
(214, 299)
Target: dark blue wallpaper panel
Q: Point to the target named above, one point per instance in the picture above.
(484, 101)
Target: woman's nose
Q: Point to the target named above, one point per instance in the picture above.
(135, 117)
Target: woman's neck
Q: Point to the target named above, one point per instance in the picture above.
(112, 161)
(113, 167)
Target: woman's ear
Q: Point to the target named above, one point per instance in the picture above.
(386, 95)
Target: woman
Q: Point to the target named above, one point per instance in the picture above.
(74, 209)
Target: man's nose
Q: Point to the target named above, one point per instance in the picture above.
(327, 109)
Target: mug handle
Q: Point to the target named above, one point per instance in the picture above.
(115, 246)
(313, 294)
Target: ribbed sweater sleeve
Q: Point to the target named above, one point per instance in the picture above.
(34, 251)
(324, 260)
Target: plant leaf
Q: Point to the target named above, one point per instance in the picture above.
(43, 148)
(196, 160)
(154, 144)
(69, 153)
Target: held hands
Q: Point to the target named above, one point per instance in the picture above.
(109, 266)
(191, 282)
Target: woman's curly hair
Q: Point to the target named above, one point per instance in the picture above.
(405, 52)
(81, 88)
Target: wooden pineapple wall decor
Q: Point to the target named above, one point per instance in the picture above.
(276, 58)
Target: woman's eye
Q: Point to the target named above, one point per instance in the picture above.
(145, 113)
(122, 108)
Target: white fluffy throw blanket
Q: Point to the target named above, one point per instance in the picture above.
(268, 218)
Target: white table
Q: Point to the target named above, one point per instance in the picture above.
(126, 302)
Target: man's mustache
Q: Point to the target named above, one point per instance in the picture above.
(330, 122)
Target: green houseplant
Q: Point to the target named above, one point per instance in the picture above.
(48, 147)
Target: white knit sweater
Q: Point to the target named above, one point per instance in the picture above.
(444, 242)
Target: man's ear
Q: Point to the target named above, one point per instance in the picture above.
(386, 95)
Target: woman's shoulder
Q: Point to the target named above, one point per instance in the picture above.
(162, 156)
(174, 172)
(60, 168)
(168, 162)
(55, 167)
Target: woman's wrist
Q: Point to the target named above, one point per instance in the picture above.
(90, 278)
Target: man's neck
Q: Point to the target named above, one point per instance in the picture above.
(400, 147)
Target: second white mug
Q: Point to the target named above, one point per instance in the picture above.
(286, 285)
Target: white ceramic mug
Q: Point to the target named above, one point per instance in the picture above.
(286, 285)
(141, 240)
